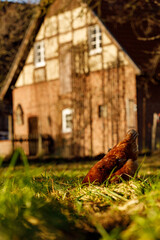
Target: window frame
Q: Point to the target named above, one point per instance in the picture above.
(39, 53)
(65, 113)
(95, 39)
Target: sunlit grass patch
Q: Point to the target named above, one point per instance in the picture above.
(50, 202)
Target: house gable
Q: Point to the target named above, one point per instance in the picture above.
(81, 67)
(42, 89)
(61, 28)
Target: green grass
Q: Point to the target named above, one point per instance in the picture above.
(49, 202)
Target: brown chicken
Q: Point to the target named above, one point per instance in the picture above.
(115, 160)
(126, 172)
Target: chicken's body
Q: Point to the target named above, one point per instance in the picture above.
(114, 159)
(126, 172)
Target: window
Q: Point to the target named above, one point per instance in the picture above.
(102, 111)
(19, 115)
(67, 116)
(39, 54)
(95, 39)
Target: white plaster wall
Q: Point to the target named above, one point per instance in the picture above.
(20, 80)
(95, 62)
(64, 22)
(109, 53)
(40, 34)
(50, 26)
(30, 57)
(52, 69)
(66, 37)
(28, 74)
(90, 17)
(79, 36)
(39, 75)
(123, 58)
(51, 47)
(79, 17)
(105, 38)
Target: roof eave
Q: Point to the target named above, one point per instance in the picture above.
(137, 69)
(22, 51)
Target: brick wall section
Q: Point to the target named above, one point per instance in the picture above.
(40, 100)
(38, 89)
(5, 147)
(44, 101)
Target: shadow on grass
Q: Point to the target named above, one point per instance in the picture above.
(47, 159)
(52, 220)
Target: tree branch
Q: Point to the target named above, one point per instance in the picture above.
(144, 38)
(157, 3)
